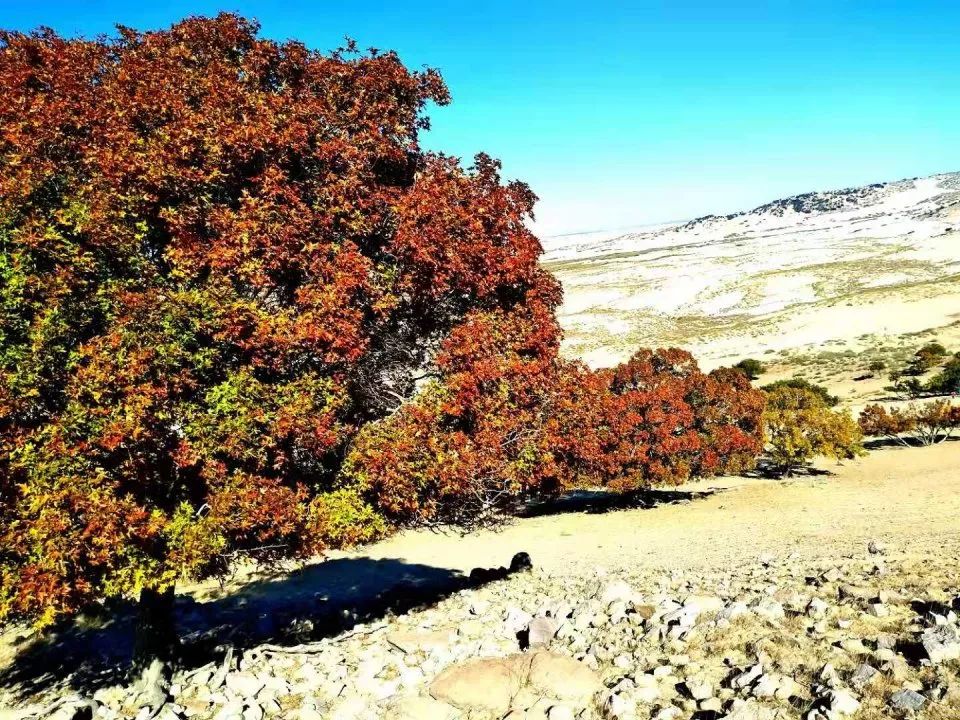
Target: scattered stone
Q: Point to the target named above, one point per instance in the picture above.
(863, 676)
(878, 610)
(698, 689)
(817, 608)
(541, 631)
(422, 708)
(521, 562)
(941, 643)
(747, 678)
(617, 707)
(907, 701)
(244, 685)
(562, 677)
(841, 702)
(560, 712)
(832, 575)
(769, 609)
(479, 607)
(616, 590)
(854, 592)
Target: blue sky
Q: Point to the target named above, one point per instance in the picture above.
(624, 114)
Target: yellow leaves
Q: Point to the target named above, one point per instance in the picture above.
(799, 426)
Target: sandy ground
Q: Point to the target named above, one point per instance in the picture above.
(908, 498)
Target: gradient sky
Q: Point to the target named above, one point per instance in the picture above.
(624, 114)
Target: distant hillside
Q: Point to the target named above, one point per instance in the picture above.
(820, 267)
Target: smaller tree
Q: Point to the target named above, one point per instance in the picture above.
(800, 426)
(929, 356)
(751, 368)
(876, 421)
(876, 366)
(947, 381)
(925, 424)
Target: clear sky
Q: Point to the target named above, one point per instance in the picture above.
(620, 114)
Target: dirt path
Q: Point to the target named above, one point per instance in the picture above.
(910, 498)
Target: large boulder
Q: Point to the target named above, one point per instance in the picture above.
(488, 684)
(564, 678)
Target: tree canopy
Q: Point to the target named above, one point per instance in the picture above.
(219, 257)
(244, 314)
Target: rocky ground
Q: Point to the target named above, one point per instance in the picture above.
(870, 635)
(828, 596)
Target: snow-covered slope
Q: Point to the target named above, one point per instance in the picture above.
(880, 259)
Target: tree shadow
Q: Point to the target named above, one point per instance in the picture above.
(317, 601)
(768, 470)
(602, 501)
(885, 443)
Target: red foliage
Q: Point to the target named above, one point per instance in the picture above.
(508, 419)
(226, 268)
(669, 421)
(220, 256)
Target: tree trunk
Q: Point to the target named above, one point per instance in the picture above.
(155, 647)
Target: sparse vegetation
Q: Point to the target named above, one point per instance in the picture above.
(948, 379)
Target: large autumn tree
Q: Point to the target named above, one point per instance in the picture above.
(220, 256)
(243, 314)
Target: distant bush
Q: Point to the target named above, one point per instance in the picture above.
(798, 383)
(751, 368)
(876, 366)
(800, 426)
(929, 356)
(948, 379)
(924, 424)
(934, 349)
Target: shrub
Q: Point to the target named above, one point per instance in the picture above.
(929, 356)
(668, 422)
(948, 379)
(876, 366)
(800, 426)
(798, 383)
(751, 368)
(908, 388)
(498, 426)
(924, 424)
(933, 349)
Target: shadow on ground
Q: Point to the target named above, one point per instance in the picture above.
(768, 470)
(317, 601)
(884, 443)
(601, 501)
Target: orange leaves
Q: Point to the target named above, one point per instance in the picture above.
(221, 258)
(226, 265)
